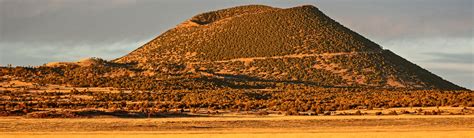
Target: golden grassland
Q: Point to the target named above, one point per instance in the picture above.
(431, 134)
(244, 126)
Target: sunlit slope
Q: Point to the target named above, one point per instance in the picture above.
(294, 45)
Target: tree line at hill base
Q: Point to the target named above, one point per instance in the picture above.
(318, 101)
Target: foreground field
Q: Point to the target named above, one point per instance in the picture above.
(244, 126)
(57, 111)
(428, 134)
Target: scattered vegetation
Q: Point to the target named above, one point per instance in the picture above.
(262, 102)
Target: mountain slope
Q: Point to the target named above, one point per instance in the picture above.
(258, 33)
(294, 45)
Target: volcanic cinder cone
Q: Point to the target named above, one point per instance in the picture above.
(294, 45)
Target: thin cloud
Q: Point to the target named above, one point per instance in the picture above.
(451, 57)
(31, 8)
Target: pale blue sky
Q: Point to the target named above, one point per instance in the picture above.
(435, 34)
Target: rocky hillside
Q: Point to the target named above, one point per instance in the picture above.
(299, 45)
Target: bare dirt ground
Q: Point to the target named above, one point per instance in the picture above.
(244, 126)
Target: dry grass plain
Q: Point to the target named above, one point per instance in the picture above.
(459, 126)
